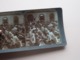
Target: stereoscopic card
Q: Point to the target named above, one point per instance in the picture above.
(31, 30)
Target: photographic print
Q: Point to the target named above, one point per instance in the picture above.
(31, 29)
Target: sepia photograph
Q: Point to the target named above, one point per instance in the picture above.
(29, 28)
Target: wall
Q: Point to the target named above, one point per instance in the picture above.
(46, 15)
(71, 20)
(10, 19)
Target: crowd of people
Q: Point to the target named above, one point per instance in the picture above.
(36, 34)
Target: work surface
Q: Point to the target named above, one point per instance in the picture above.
(71, 20)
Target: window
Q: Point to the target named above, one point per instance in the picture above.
(16, 20)
(30, 18)
(51, 16)
(5, 21)
(41, 17)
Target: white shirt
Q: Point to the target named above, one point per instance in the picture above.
(33, 38)
(15, 39)
(14, 29)
(11, 34)
(41, 33)
(6, 32)
(42, 28)
(42, 43)
(46, 30)
(51, 36)
(50, 25)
